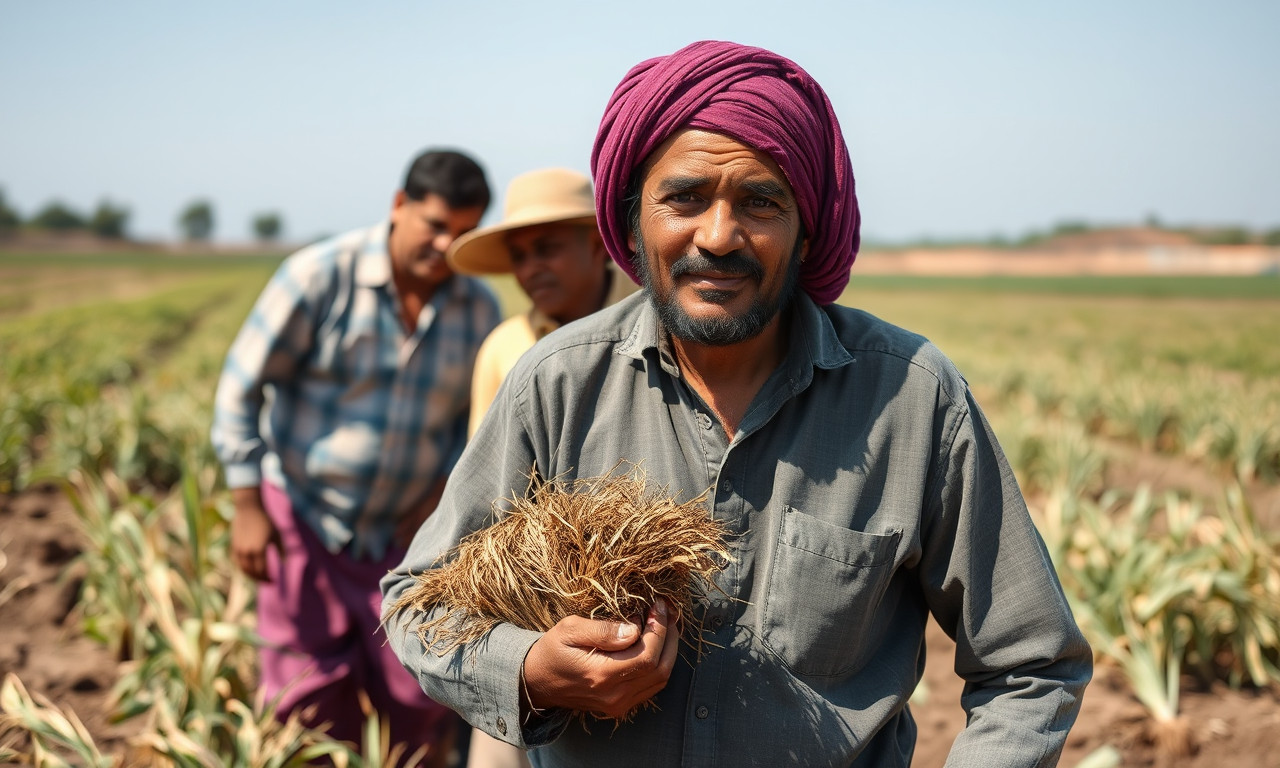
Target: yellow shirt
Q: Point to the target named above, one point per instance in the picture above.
(512, 338)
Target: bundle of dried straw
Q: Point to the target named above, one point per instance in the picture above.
(602, 548)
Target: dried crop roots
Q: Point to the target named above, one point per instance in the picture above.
(602, 548)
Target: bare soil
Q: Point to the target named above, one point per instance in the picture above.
(40, 636)
(40, 641)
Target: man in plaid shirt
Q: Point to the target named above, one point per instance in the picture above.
(340, 411)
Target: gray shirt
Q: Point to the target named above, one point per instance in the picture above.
(866, 490)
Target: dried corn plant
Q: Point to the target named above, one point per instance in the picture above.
(1160, 587)
(602, 548)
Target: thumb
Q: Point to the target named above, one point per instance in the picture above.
(602, 635)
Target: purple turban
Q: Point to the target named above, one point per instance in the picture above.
(758, 98)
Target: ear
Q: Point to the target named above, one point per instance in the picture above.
(804, 250)
(399, 199)
(631, 241)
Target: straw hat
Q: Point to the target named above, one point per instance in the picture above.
(546, 196)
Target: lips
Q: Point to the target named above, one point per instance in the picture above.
(427, 256)
(716, 282)
(732, 268)
(539, 286)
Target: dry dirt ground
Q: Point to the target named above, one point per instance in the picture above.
(40, 638)
(40, 642)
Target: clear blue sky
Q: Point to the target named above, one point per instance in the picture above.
(963, 119)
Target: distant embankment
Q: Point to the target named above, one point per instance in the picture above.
(88, 243)
(1133, 260)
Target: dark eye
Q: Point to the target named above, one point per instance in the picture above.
(682, 197)
(761, 203)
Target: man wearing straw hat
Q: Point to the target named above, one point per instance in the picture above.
(863, 485)
(548, 240)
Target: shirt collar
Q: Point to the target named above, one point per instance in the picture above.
(816, 332)
(540, 323)
(374, 267)
(620, 287)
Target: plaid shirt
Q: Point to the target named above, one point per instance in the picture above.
(324, 394)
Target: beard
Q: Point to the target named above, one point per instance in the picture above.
(718, 331)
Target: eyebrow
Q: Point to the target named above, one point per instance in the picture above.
(676, 184)
(767, 189)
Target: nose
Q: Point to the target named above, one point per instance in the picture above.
(524, 268)
(718, 230)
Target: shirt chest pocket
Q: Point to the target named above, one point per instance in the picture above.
(825, 584)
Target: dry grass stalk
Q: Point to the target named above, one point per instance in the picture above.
(602, 548)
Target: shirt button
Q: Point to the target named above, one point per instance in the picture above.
(726, 486)
(502, 726)
(704, 421)
(702, 713)
(717, 622)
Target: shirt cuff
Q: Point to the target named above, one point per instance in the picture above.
(500, 685)
(243, 475)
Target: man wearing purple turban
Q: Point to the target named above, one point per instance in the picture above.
(862, 483)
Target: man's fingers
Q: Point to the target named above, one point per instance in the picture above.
(253, 565)
(670, 651)
(608, 636)
(657, 614)
(602, 666)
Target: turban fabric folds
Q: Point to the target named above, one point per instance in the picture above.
(755, 97)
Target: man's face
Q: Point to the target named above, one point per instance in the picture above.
(719, 237)
(421, 231)
(561, 267)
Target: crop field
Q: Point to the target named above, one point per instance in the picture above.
(1142, 416)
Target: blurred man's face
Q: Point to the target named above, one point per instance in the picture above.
(421, 232)
(719, 238)
(561, 267)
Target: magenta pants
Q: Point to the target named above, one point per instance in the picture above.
(323, 644)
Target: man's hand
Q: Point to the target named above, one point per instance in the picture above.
(251, 533)
(603, 667)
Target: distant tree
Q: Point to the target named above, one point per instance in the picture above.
(58, 217)
(9, 218)
(1153, 221)
(268, 226)
(1271, 237)
(109, 221)
(196, 221)
(1224, 236)
(1071, 228)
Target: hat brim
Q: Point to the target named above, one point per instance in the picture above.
(484, 251)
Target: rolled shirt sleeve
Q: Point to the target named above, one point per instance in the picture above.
(267, 348)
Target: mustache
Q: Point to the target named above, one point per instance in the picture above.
(732, 263)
